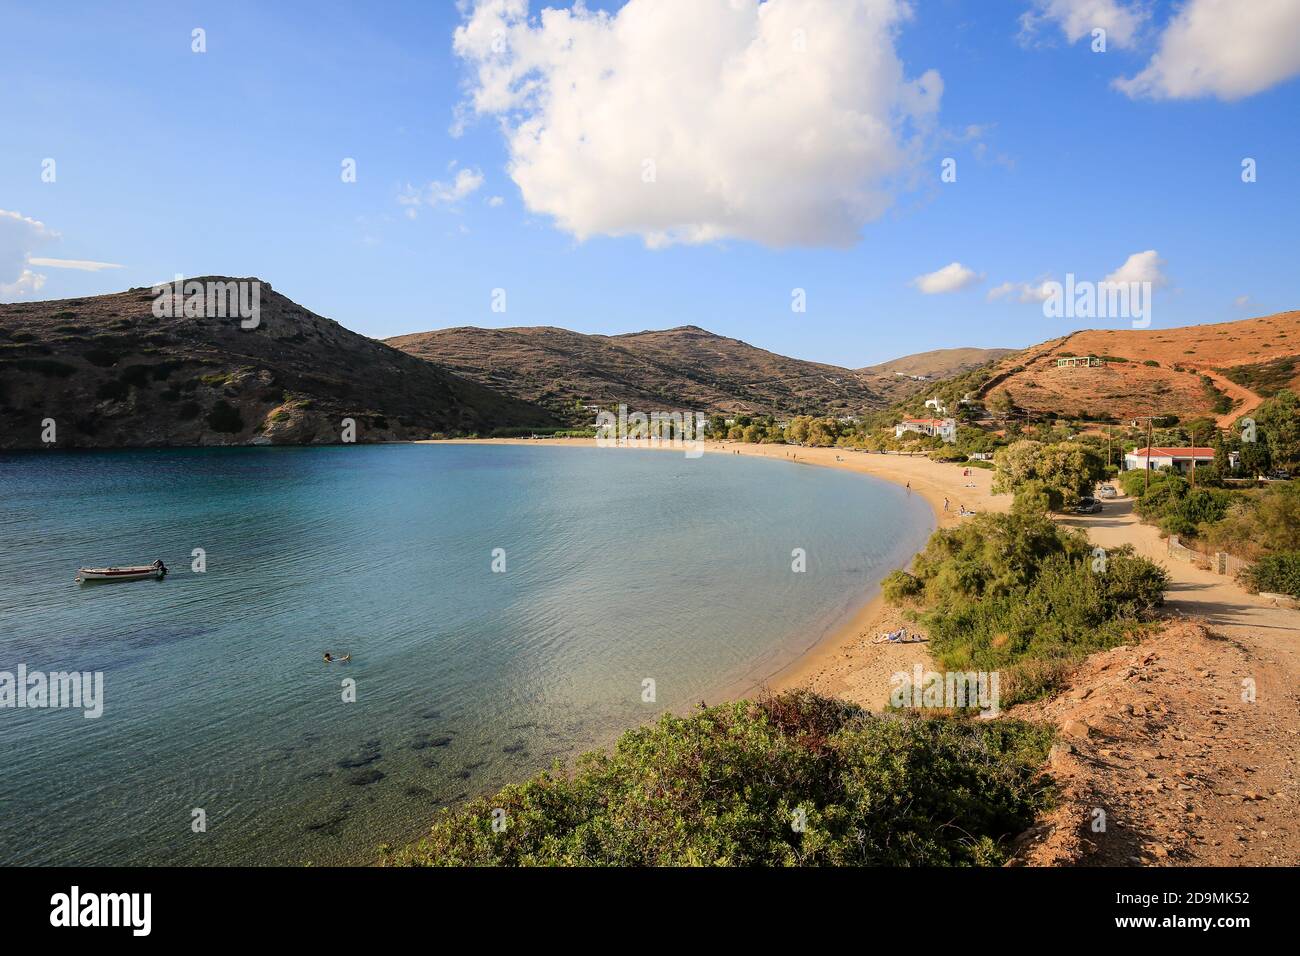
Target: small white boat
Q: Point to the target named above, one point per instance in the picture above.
(129, 573)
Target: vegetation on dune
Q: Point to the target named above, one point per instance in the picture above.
(792, 780)
(1017, 594)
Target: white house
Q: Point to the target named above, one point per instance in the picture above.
(945, 428)
(937, 405)
(1158, 457)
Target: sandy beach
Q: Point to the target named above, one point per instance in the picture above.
(844, 663)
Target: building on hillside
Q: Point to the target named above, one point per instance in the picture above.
(1081, 361)
(945, 428)
(938, 406)
(1158, 457)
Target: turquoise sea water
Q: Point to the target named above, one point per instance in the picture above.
(621, 565)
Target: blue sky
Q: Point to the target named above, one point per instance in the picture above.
(228, 162)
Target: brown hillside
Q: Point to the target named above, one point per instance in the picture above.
(686, 368)
(1163, 371)
(111, 374)
(938, 363)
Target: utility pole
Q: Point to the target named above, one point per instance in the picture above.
(1146, 477)
(1146, 472)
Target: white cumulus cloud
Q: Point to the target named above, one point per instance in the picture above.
(1141, 267)
(1224, 48)
(951, 278)
(784, 122)
(1078, 18)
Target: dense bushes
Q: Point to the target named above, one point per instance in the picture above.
(1259, 522)
(899, 585)
(1019, 595)
(1173, 505)
(794, 780)
(1278, 573)
(1250, 523)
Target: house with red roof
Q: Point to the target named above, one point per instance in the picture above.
(1157, 457)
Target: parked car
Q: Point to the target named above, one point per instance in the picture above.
(1107, 491)
(1279, 474)
(1087, 506)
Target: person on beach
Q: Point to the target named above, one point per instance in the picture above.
(909, 487)
(945, 504)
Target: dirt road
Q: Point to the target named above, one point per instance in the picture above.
(1188, 744)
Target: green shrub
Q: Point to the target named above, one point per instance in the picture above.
(1260, 522)
(1017, 594)
(224, 417)
(723, 786)
(1174, 506)
(899, 585)
(1276, 573)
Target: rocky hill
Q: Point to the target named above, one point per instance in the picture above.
(110, 373)
(685, 368)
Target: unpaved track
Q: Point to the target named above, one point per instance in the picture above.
(1164, 738)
